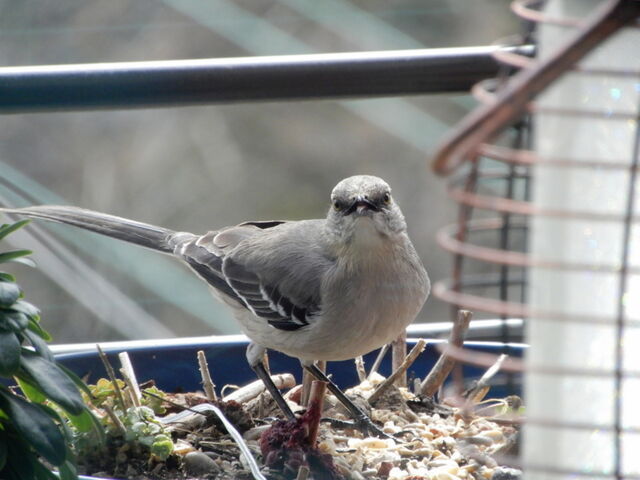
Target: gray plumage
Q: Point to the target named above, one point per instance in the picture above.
(328, 289)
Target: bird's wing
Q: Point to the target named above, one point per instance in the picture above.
(258, 264)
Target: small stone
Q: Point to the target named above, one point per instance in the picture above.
(199, 464)
(504, 473)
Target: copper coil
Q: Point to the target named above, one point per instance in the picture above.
(484, 92)
(486, 360)
(449, 292)
(509, 55)
(521, 207)
(524, 9)
(446, 239)
(528, 158)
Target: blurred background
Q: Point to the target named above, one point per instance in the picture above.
(204, 167)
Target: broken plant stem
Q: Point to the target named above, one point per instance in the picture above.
(303, 473)
(129, 377)
(116, 421)
(362, 374)
(251, 391)
(445, 364)
(112, 376)
(476, 393)
(306, 382)
(401, 370)
(378, 360)
(316, 397)
(398, 355)
(207, 383)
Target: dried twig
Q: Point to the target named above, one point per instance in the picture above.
(307, 378)
(129, 377)
(114, 418)
(445, 364)
(376, 364)
(362, 374)
(303, 473)
(112, 376)
(401, 370)
(207, 383)
(478, 391)
(316, 398)
(398, 355)
(251, 391)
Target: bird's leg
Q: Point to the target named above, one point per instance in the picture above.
(255, 354)
(362, 420)
(262, 374)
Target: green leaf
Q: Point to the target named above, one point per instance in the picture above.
(39, 344)
(52, 381)
(12, 255)
(35, 426)
(68, 471)
(43, 473)
(9, 293)
(9, 353)
(26, 308)
(15, 321)
(35, 327)
(82, 422)
(7, 277)
(3, 448)
(7, 228)
(30, 391)
(20, 459)
(25, 261)
(76, 379)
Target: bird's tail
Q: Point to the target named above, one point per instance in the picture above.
(143, 234)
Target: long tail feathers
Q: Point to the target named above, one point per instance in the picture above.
(145, 235)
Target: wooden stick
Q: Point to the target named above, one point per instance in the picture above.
(207, 383)
(112, 376)
(129, 376)
(307, 378)
(445, 364)
(316, 400)
(478, 391)
(362, 374)
(401, 370)
(116, 421)
(376, 364)
(303, 473)
(398, 355)
(251, 391)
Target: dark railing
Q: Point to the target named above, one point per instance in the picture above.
(291, 77)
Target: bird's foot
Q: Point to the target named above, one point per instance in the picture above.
(362, 423)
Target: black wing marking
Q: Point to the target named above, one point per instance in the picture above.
(235, 281)
(266, 301)
(208, 265)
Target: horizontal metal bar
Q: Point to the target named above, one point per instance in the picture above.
(290, 77)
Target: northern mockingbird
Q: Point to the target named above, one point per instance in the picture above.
(326, 289)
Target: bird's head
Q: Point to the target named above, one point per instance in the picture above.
(361, 203)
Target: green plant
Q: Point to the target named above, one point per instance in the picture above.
(33, 427)
(137, 426)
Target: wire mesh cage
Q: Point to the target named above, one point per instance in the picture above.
(548, 229)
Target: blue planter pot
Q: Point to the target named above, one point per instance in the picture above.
(174, 367)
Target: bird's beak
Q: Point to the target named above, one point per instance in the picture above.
(360, 206)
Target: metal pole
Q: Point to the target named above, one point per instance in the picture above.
(227, 80)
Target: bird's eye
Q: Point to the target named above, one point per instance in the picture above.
(337, 205)
(386, 198)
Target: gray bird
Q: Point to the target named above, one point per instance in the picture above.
(325, 289)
